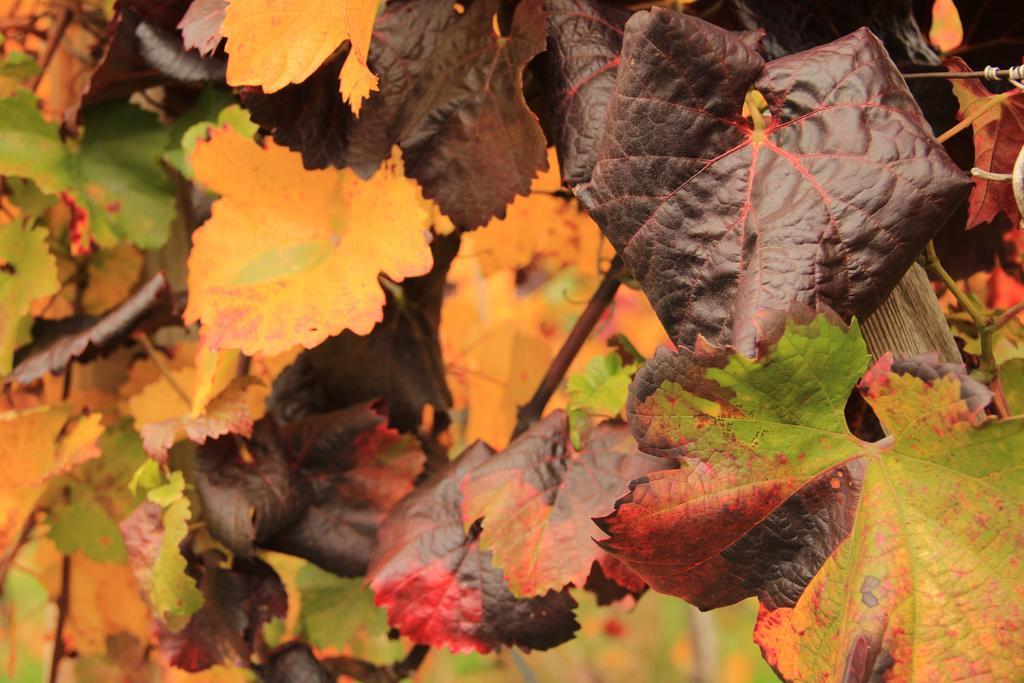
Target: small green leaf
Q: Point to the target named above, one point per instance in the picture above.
(168, 493)
(600, 390)
(31, 147)
(83, 524)
(335, 610)
(173, 593)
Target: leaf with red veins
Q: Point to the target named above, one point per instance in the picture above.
(998, 138)
(584, 39)
(537, 498)
(827, 204)
(440, 587)
(897, 559)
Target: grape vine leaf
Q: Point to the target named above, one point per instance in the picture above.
(27, 272)
(237, 602)
(152, 537)
(601, 389)
(335, 608)
(582, 60)
(451, 97)
(87, 503)
(200, 25)
(895, 558)
(1011, 379)
(537, 498)
(439, 586)
(462, 107)
(226, 413)
(826, 200)
(998, 137)
(37, 445)
(113, 178)
(279, 234)
(317, 488)
(399, 362)
(310, 117)
(271, 43)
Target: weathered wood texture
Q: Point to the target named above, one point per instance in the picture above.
(910, 322)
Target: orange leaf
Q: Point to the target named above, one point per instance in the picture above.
(292, 256)
(36, 445)
(272, 43)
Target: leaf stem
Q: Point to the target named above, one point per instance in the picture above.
(531, 411)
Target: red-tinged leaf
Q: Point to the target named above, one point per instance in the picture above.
(859, 552)
(450, 96)
(229, 627)
(827, 205)
(611, 580)
(79, 232)
(584, 39)
(317, 488)
(200, 26)
(537, 498)
(152, 305)
(227, 413)
(439, 586)
(998, 138)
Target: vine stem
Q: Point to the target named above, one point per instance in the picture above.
(531, 411)
(986, 326)
(53, 41)
(62, 617)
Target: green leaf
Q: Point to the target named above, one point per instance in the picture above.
(115, 174)
(214, 108)
(600, 390)
(173, 592)
(83, 524)
(1011, 378)
(27, 272)
(31, 147)
(120, 178)
(168, 493)
(335, 610)
(905, 550)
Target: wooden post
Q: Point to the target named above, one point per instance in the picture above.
(910, 322)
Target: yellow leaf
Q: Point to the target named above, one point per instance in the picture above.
(271, 43)
(541, 227)
(104, 601)
(292, 256)
(36, 445)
